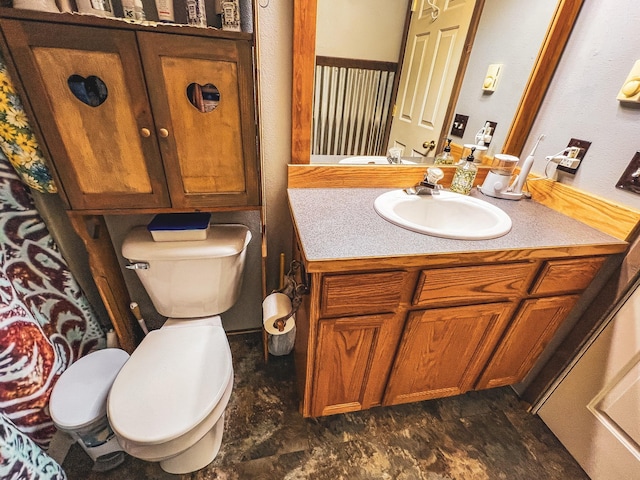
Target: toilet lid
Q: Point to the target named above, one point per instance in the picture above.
(173, 380)
(80, 395)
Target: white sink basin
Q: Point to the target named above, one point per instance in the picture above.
(447, 215)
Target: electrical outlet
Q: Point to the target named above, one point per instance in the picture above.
(577, 150)
(459, 125)
(630, 179)
(493, 126)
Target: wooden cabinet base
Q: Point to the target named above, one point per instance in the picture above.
(386, 336)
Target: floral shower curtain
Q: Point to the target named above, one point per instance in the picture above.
(46, 323)
(21, 459)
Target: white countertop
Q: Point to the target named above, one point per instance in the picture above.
(340, 224)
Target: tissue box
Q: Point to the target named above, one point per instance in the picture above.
(176, 227)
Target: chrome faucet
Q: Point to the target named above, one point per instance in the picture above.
(394, 156)
(429, 184)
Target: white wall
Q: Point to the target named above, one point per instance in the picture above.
(275, 30)
(363, 29)
(504, 38)
(581, 102)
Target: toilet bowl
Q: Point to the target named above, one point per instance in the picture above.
(167, 403)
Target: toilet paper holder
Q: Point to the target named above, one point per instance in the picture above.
(294, 290)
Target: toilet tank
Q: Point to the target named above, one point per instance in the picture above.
(194, 278)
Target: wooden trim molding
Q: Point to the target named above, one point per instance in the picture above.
(304, 59)
(617, 220)
(544, 67)
(371, 176)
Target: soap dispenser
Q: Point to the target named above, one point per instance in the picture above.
(445, 158)
(465, 175)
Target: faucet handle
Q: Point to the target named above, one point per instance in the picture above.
(433, 176)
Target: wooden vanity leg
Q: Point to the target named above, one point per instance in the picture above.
(107, 275)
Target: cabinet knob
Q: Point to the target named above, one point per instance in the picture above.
(164, 133)
(145, 132)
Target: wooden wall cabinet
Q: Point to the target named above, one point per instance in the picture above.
(385, 337)
(143, 140)
(135, 119)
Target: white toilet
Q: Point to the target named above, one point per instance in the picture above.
(167, 403)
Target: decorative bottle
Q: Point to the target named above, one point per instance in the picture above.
(445, 158)
(196, 14)
(465, 175)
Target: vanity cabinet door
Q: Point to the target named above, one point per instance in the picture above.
(442, 351)
(352, 363)
(86, 87)
(201, 90)
(528, 334)
(566, 276)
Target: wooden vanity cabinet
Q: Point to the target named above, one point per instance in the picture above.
(374, 337)
(530, 331)
(140, 140)
(354, 356)
(538, 319)
(443, 351)
(357, 332)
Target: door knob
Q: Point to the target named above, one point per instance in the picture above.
(164, 133)
(429, 145)
(145, 132)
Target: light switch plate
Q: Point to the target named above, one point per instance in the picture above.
(490, 81)
(459, 125)
(630, 91)
(628, 181)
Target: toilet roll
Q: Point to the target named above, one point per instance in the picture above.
(276, 305)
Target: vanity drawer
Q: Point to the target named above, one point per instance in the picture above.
(361, 293)
(563, 276)
(481, 283)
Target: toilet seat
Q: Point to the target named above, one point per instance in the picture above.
(172, 383)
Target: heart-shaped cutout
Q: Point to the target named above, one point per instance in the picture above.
(91, 91)
(205, 98)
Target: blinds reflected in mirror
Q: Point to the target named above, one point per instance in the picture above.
(351, 106)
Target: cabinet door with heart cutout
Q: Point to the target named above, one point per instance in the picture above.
(201, 90)
(87, 90)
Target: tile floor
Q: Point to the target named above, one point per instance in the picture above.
(481, 435)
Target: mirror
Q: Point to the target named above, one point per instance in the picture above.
(543, 67)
